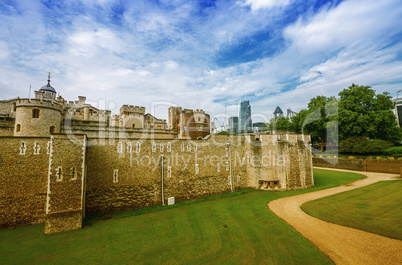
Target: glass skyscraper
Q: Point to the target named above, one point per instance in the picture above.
(245, 123)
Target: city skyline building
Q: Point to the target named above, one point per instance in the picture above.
(398, 110)
(245, 122)
(278, 112)
(234, 124)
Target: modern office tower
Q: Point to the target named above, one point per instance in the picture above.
(234, 124)
(245, 123)
(278, 112)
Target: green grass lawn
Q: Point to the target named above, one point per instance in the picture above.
(376, 208)
(232, 230)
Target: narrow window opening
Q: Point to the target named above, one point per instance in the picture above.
(115, 176)
(59, 174)
(169, 147)
(35, 113)
(129, 147)
(138, 147)
(119, 148)
(23, 148)
(188, 147)
(73, 173)
(169, 173)
(36, 148)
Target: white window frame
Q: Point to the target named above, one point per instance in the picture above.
(169, 171)
(129, 147)
(120, 148)
(36, 148)
(59, 174)
(138, 147)
(188, 147)
(169, 147)
(23, 148)
(115, 176)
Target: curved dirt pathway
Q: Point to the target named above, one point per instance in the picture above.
(342, 244)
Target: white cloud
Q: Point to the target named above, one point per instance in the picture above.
(261, 4)
(168, 54)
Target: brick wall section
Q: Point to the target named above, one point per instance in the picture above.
(139, 174)
(382, 165)
(23, 181)
(341, 163)
(65, 193)
(371, 165)
(7, 127)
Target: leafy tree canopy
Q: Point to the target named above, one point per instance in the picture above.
(363, 113)
(280, 123)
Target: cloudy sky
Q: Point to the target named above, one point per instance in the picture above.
(200, 53)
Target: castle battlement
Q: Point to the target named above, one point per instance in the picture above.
(25, 102)
(75, 114)
(132, 109)
(199, 111)
(273, 138)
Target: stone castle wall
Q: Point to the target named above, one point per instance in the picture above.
(7, 127)
(23, 180)
(65, 183)
(97, 130)
(279, 162)
(191, 169)
(71, 175)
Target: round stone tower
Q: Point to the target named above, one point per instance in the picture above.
(40, 116)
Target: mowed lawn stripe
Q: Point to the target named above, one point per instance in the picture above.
(376, 208)
(190, 234)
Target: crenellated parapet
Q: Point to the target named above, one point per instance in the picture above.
(25, 102)
(132, 109)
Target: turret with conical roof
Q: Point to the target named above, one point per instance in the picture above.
(40, 116)
(47, 92)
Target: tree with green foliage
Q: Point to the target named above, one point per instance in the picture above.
(296, 124)
(280, 123)
(363, 113)
(320, 120)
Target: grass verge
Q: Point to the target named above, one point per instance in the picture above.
(376, 208)
(231, 230)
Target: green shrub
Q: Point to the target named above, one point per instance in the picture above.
(362, 145)
(393, 151)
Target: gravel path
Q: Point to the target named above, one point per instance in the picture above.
(342, 244)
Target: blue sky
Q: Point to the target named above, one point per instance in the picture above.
(200, 54)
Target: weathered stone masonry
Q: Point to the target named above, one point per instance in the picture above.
(67, 179)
